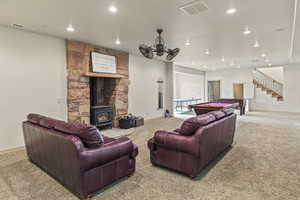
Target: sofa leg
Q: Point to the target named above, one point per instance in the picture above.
(89, 197)
(193, 177)
(153, 164)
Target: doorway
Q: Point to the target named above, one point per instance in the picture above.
(214, 90)
(238, 90)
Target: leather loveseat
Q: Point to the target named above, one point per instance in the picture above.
(197, 143)
(73, 155)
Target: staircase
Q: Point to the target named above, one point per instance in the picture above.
(268, 85)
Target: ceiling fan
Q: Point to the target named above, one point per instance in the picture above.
(159, 48)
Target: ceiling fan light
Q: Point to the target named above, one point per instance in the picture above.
(159, 48)
(146, 51)
(172, 53)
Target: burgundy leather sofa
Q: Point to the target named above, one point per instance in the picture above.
(72, 154)
(196, 144)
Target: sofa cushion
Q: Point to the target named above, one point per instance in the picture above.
(87, 133)
(228, 111)
(190, 125)
(218, 114)
(48, 122)
(108, 139)
(34, 118)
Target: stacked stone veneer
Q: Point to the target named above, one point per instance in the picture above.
(116, 90)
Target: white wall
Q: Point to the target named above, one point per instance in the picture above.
(265, 102)
(275, 73)
(291, 94)
(32, 79)
(260, 100)
(291, 87)
(170, 87)
(230, 76)
(143, 88)
(189, 85)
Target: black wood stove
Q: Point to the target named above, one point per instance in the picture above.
(101, 112)
(101, 116)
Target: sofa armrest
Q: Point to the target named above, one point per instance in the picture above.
(92, 158)
(174, 141)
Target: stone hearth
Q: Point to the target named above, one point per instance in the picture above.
(79, 65)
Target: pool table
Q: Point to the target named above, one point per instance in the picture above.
(203, 108)
(242, 103)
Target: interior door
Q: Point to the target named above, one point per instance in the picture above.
(214, 90)
(238, 90)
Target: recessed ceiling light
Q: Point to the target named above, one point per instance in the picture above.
(70, 28)
(247, 31)
(113, 9)
(270, 64)
(187, 43)
(263, 55)
(223, 59)
(231, 11)
(256, 44)
(207, 52)
(118, 41)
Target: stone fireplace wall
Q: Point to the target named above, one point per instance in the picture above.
(116, 89)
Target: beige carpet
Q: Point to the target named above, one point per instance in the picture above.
(263, 164)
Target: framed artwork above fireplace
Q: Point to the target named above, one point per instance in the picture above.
(102, 63)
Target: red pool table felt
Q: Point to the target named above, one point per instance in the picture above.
(215, 105)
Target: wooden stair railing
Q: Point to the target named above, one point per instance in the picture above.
(268, 84)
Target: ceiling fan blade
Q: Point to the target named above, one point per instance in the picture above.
(146, 51)
(172, 53)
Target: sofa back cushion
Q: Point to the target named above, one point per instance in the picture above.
(34, 118)
(90, 135)
(190, 125)
(218, 114)
(48, 122)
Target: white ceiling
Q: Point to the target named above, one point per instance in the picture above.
(137, 20)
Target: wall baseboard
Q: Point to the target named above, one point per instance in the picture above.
(13, 149)
(274, 111)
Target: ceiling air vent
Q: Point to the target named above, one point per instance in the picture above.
(18, 26)
(194, 7)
